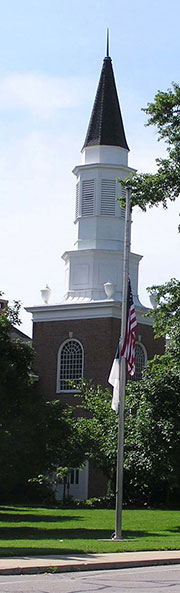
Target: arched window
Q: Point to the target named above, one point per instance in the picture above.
(140, 360)
(70, 365)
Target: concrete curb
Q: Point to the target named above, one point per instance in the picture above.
(18, 566)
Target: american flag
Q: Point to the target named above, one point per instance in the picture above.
(128, 351)
(128, 348)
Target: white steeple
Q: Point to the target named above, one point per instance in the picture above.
(99, 219)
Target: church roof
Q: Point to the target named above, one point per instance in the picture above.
(106, 125)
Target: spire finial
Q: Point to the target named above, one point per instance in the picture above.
(107, 52)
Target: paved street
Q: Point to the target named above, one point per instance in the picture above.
(157, 579)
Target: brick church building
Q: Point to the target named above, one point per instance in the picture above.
(78, 337)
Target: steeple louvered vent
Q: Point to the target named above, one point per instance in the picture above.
(77, 201)
(88, 197)
(123, 194)
(108, 195)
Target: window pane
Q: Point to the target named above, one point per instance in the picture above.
(139, 361)
(70, 364)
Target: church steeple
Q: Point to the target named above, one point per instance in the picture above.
(106, 125)
(99, 219)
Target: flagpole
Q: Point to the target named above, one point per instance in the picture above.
(122, 377)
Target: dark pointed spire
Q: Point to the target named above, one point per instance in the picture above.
(106, 125)
(107, 51)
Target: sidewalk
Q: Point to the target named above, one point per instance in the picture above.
(41, 564)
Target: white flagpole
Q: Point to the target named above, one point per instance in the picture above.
(122, 371)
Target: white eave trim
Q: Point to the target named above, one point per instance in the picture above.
(83, 253)
(118, 167)
(92, 310)
(120, 148)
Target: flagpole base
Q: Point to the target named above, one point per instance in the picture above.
(118, 538)
(114, 540)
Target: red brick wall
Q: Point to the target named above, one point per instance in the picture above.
(99, 338)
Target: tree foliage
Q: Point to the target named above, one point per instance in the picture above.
(65, 443)
(153, 433)
(20, 434)
(36, 437)
(152, 416)
(99, 428)
(167, 314)
(153, 425)
(153, 189)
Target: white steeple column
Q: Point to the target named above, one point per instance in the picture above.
(99, 218)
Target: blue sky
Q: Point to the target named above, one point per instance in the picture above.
(51, 55)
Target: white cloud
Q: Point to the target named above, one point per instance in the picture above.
(42, 94)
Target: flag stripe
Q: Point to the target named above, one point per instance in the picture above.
(128, 348)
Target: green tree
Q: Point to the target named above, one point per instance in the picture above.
(20, 427)
(152, 433)
(152, 428)
(36, 437)
(167, 314)
(65, 443)
(153, 189)
(99, 428)
(153, 409)
(152, 416)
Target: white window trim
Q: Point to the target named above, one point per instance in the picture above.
(58, 390)
(139, 343)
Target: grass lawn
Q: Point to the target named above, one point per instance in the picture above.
(33, 531)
